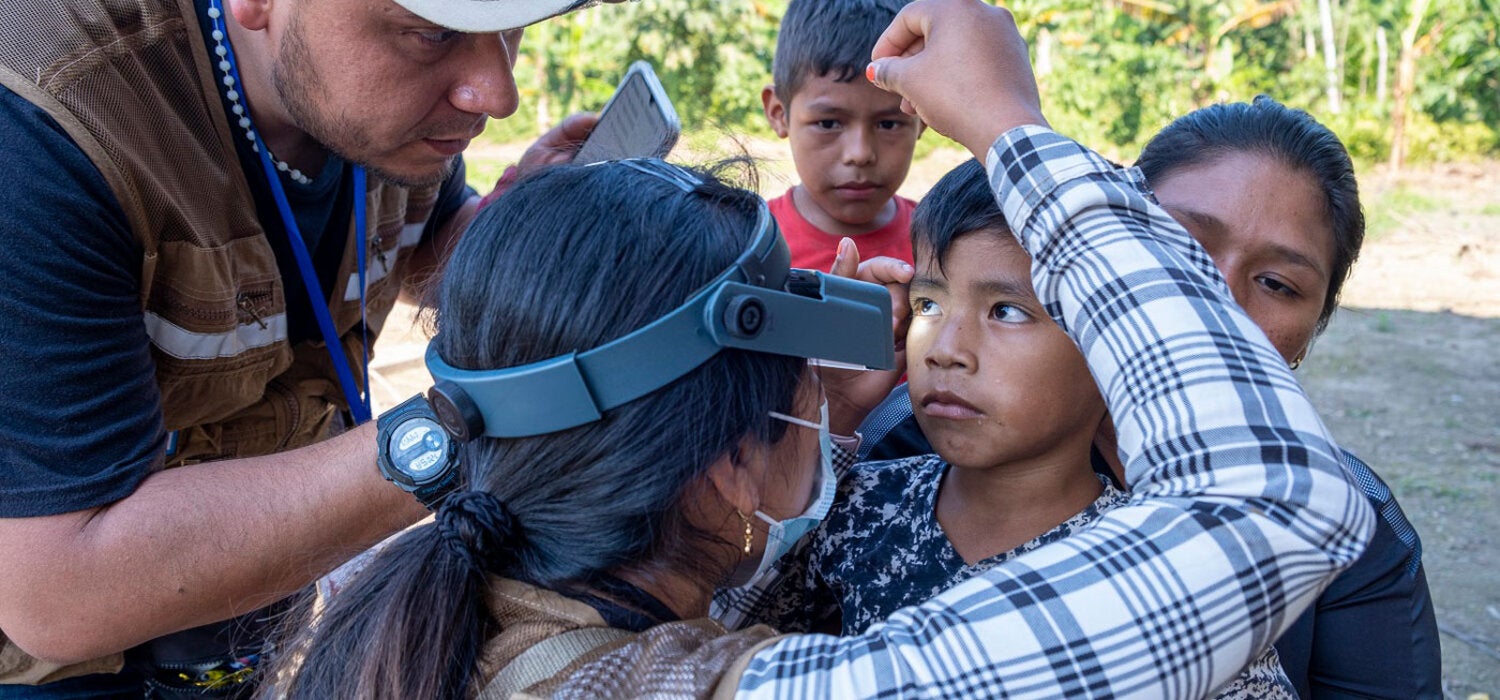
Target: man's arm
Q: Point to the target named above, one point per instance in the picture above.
(95, 555)
(192, 545)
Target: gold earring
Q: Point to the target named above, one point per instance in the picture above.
(749, 534)
(1297, 362)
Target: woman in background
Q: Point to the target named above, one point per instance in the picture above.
(1271, 195)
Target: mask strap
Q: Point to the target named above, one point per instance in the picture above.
(796, 421)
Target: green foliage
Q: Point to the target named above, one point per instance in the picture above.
(1115, 71)
(931, 141)
(1464, 65)
(712, 58)
(1449, 141)
(1365, 133)
(1121, 113)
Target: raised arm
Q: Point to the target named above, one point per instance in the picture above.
(1240, 515)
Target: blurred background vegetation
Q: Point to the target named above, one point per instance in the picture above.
(1399, 80)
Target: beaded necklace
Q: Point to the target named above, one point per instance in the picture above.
(359, 401)
(232, 93)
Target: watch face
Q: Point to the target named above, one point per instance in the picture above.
(419, 448)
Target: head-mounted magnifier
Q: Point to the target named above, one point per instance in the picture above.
(758, 304)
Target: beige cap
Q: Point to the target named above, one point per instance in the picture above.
(489, 15)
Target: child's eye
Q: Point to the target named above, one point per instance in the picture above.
(891, 124)
(1007, 313)
(924, 307)
(1277, 287)
(827, 123)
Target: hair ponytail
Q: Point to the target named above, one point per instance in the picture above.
(413, 624)
(570, 258)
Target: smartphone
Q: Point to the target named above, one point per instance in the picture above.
(637, 122)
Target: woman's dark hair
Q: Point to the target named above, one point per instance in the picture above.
(959, 203)
(1291, 136)
(567, 260)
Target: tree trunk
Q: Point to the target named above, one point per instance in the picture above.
(1044, 43)
(1382, 66)
(1310, 44)
(1330, 57)
(1406, 80)
(1345, 29)
(1366, 59)
(543, 92)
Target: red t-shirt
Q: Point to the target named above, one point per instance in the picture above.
(814, 249)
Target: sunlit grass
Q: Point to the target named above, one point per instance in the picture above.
(1392, 209)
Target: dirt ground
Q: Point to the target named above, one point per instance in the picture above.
(1407, 375)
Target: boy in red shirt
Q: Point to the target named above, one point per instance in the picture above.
(851, 142)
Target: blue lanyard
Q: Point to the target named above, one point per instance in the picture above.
(359, 403)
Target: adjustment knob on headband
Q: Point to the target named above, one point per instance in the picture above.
(744, 316)
(457, 412)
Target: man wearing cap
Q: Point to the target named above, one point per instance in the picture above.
(208, 207)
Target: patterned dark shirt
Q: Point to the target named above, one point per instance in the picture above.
(881, 549)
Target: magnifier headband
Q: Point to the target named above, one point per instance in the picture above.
(758, 304)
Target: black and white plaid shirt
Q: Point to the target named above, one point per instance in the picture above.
(1239, 513)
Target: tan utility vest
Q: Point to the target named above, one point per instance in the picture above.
(131, 83)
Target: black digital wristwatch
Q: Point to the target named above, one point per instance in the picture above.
(416, 452)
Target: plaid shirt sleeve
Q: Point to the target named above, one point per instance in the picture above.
(1239, 515)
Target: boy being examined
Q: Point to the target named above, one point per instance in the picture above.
(1008, 403)
(850, 141)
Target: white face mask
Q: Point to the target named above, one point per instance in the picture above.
(784, 534)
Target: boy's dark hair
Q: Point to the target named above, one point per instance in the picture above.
(959, 203)
(828, 37)
(1291, 136)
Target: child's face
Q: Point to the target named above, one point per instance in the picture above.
(993, 380)
(852, 146)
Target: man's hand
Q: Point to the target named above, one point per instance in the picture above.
(852, 394)
(556, 147)
(962, 66)
(559, 145)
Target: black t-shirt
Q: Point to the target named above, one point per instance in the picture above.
(82, 415)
